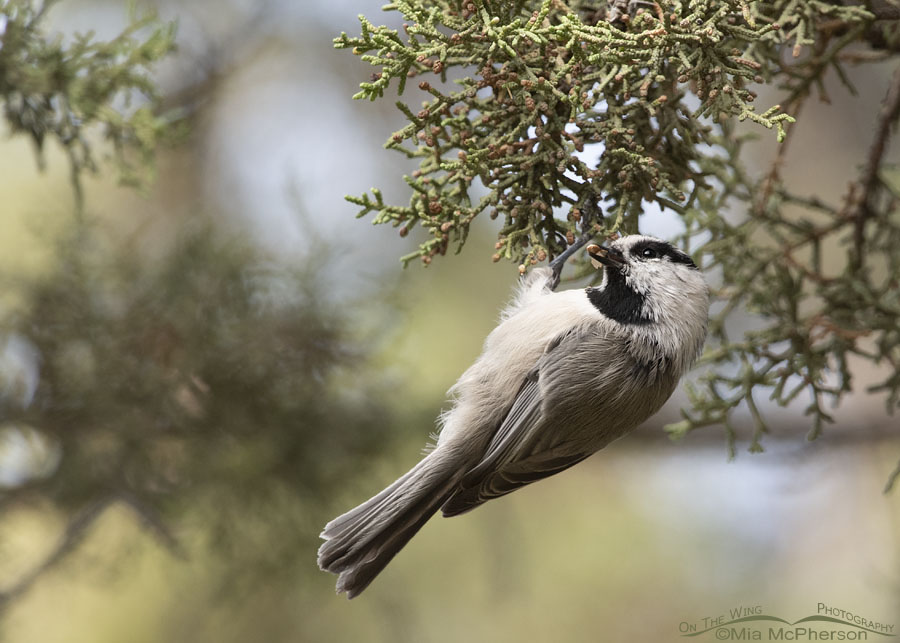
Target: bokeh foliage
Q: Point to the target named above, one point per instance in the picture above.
(563, 106)
(191, 385)
(69, 92)
(186, 380)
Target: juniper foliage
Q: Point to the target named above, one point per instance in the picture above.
(558, 115)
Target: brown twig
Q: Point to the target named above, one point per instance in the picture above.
(72, 536)
(892, 478)
(774, 175)
(863, 193)
(76, 531)
(153, 522)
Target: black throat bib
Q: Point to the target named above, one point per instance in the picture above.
(617, 300)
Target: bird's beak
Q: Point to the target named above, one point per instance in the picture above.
(605, 257)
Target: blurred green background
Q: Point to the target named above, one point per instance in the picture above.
(199, 377)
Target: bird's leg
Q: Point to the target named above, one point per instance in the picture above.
(560, 261)
(591, 212)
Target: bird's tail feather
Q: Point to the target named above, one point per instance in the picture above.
(361, 542)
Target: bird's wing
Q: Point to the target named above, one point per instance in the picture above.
(521, 452)
(514, 433)
(508, 478)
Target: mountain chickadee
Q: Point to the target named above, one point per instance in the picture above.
(562, 375)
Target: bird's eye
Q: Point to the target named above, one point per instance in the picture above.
(649, 253)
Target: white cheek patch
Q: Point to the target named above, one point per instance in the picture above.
(641, 277)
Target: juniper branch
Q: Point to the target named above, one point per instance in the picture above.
(539, 84)
(557, 105)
